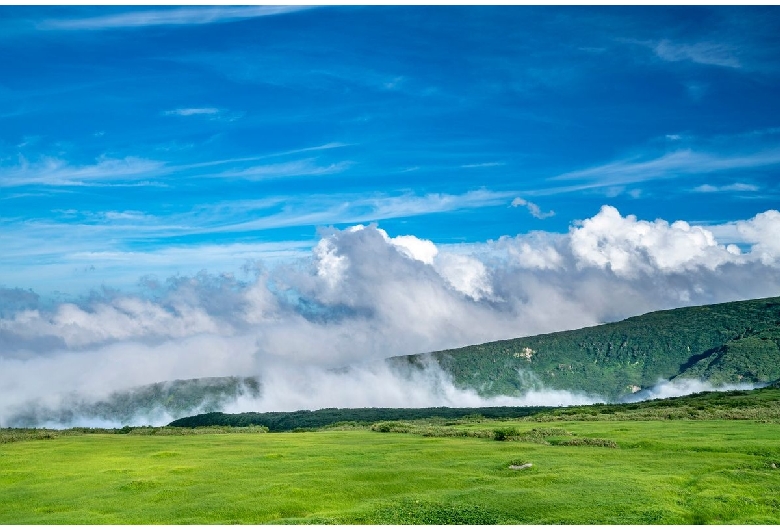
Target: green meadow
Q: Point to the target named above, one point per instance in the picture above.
(583, 472)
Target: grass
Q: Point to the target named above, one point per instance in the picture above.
(648, 472)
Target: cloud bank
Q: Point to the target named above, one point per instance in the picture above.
(362, 296)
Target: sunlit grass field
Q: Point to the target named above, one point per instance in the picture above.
(661, 472)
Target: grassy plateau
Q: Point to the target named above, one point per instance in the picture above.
(595, 466)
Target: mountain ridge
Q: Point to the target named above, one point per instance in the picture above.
(727, 343)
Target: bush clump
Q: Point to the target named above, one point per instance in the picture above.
(504, 433)
(595, 442)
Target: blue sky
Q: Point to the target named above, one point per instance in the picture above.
(151, 140)
(277, 191)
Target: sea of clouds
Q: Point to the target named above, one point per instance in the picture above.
(362, 296)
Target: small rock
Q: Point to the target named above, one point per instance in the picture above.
(773, 465)
(524, 466)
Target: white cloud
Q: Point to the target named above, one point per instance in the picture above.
(528, 255)
(55, 172)
(192, 112)
(682, 387)
(414, 247)
(675, 164)
(763, 233)
(319, 210)
(52, 251)
(380, 386)
(708, 53)
(737, 186)
(483, 164)
(211, 113)
(166, 17)
(627, 246)
(295, 168)
(360, 296)
(330, 266)
(532, 208)
(127, 215)
(465, 274)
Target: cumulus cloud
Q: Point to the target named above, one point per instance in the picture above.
(762, 233)
(628, 246)
(361, 296)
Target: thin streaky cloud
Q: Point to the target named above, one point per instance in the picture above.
(737, 186)
(79, 231)
(168, 17)
(330, 145)
(485, 164)
(192, 112)
(351, 209)
(683, 162)
(56, 172)
(707, 53)
(212, 163)
(295, 168)
(51, 171)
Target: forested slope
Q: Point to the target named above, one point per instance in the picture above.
(724, 343)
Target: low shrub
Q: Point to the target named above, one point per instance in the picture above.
(504, 433)
(595, 442)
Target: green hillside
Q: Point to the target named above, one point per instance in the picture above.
(724, 343)
(172, 398)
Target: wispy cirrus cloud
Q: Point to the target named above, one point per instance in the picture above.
(677, 163)
(227, 161)
(192, 111)
(51, 171)
(137, 171)
(119, 246)
(320, 210)
(168, 17)
(295, 168)
(111, 231)
(737, 186)
(211, 113)
(483, 164)
(708, 53)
